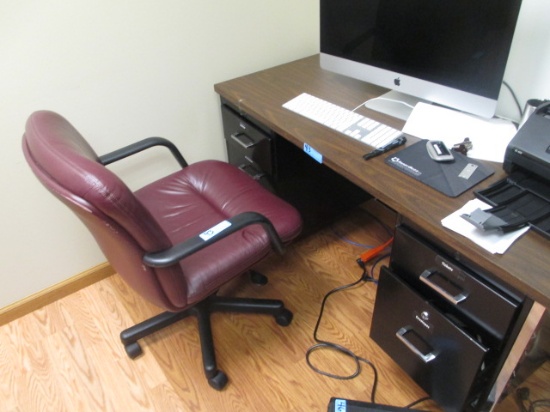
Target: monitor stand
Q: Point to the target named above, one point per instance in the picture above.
(395, 104)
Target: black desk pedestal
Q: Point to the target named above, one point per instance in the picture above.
(319, 193)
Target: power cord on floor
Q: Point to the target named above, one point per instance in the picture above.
(522, 397)
(376, 255)
(322, 344)
(418, 401)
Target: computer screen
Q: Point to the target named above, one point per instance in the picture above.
(450, 52)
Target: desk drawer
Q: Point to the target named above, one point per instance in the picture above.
(441, 357)
(248, 147)
(452, 287)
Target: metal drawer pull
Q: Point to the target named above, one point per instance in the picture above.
(401, 336)
(425, 277)
(256, 174)
(238, 138)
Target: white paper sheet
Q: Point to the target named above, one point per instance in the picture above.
(493, 241)
(489, 137)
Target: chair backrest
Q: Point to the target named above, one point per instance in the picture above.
(124, 230)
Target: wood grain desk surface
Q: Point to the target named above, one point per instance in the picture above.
(525, 266)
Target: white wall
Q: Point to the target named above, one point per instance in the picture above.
(121, 70)
(529, 61)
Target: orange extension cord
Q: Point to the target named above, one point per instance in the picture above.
(372, 253)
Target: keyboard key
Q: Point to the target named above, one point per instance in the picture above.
(342, 120)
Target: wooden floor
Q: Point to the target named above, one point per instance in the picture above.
(68, 357)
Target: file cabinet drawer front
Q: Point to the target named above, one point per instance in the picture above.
(437, 354)
(453, 287)
(249, 147)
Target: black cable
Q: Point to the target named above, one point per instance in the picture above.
(375, 263)
(522, 396)
(322, 344)
(514, 97)
(540, 402)
(410, 405)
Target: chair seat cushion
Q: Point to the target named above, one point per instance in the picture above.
(198, 197)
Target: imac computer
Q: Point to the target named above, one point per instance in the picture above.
(449, 52)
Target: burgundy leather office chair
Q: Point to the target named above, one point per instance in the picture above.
(175, 241)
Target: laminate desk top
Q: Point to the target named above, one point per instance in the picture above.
(525, 266)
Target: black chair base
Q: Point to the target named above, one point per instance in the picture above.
(216, 378)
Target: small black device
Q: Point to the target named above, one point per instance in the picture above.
(401, 140)
(346, 405)
(438, 151)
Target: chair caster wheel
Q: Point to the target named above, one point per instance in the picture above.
(284, 318)
(133, 350)
(218, 381)
(257, 278)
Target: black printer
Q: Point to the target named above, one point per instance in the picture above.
(523, 197)
(530, 147)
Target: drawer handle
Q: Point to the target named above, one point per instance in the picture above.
(428, 357)
(456, 299)
(256, 174)
(238, 138)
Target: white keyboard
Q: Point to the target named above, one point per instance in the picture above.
(345, 121)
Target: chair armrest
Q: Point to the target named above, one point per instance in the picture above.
(140, 146)
(223, 229)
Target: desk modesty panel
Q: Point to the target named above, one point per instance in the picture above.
(525, 266)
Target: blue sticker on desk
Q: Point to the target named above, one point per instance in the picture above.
(313, 153)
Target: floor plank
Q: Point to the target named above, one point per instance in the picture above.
(67, 356)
